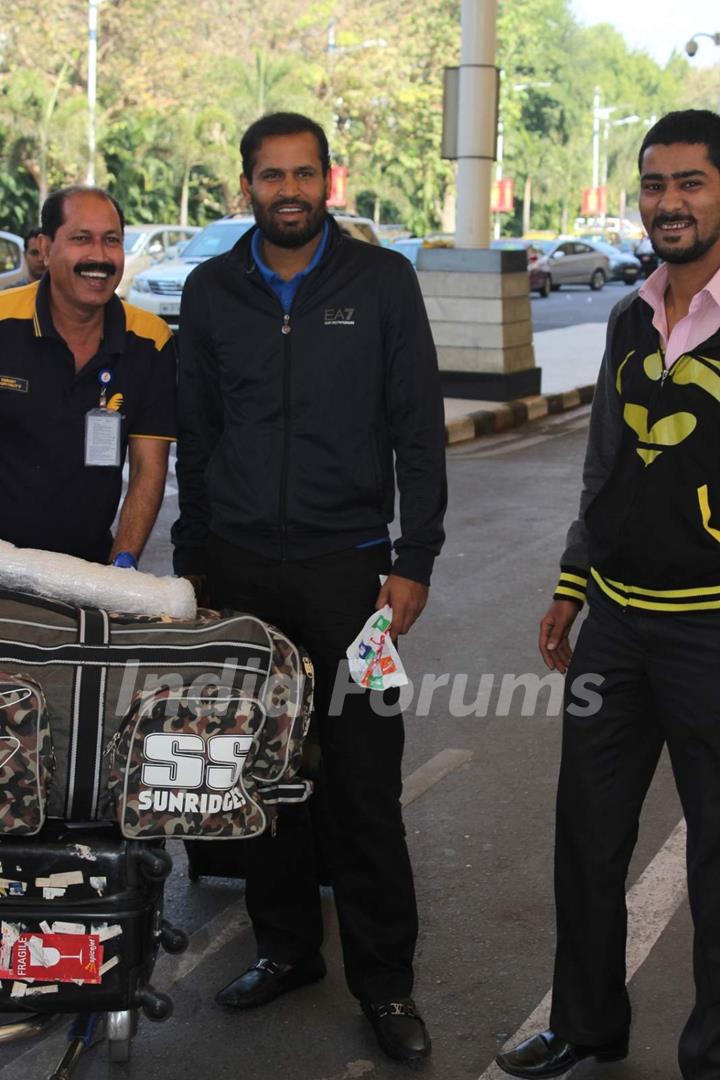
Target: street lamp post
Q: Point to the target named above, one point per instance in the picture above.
(92, 86)
(691, 46)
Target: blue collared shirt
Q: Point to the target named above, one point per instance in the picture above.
(286, 290)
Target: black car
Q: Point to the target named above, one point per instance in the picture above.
(648, 259)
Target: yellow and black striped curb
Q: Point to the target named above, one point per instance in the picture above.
(511, 414)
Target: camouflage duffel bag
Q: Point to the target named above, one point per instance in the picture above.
(171, 728)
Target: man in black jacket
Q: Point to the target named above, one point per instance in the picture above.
(646, 546)
(307, 366)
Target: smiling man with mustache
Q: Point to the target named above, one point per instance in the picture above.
(84, 379)
(646, 546)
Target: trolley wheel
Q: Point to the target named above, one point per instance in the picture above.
(155, 1005)
(172, 938)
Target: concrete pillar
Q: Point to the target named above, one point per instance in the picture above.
(478, 300)
(477, 120)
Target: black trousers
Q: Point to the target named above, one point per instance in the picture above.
(323, 603)
(660, 684)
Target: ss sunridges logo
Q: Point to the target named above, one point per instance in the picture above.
(178, 765)
(340, 316)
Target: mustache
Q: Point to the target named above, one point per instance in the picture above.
(96, 267)
(668, 219)
(291, 202)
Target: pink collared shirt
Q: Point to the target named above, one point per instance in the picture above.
(700, 323)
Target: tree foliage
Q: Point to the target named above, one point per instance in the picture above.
(179, 82)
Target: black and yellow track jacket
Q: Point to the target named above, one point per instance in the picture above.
(648, 533)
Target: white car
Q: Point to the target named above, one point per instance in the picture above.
(146, 245)
(13, 271)
(159, 289)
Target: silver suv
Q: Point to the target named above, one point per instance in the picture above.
(159, 289)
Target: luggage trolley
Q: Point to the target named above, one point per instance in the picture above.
(108, 926)
(93, 780)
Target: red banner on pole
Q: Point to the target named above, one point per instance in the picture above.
(339, 183)
(502, 198)
(594, 201)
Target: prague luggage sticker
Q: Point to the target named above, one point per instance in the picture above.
(374, 660)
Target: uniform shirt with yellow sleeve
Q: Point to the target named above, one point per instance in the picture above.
(50, 498)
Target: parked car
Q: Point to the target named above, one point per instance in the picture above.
(538, 276)
(146, 245)
(13, 271)
(360, 228)
(568, 261)
(408, 246)
(645, 253)
(624, 266)
(159, 288)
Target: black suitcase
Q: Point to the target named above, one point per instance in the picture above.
(81, 911)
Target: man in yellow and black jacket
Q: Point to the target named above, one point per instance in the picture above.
(646, 550)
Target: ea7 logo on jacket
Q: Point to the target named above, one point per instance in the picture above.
(340, 316)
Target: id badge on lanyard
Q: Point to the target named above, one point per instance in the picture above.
(103, 430)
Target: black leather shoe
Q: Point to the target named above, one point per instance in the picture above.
(399, 1028)
(549, 1055)
(269, 979)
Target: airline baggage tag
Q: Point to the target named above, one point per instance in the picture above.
(102, 437)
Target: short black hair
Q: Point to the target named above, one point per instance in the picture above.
(31, 235)
(692, 126)
(281, 123)
(52, 214)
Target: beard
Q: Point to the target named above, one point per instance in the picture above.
(679, 256)
(289, 235)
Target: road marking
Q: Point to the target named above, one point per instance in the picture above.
(432, 772)
(223, 928)
(517, 439)
(651, 904)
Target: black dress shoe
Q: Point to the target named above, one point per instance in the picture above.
(549, 1055)
(399, 1028)
(269, 979)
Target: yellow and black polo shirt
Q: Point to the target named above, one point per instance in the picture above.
(50, 498)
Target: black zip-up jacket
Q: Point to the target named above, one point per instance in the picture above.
(649, 527)
(288, 423)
